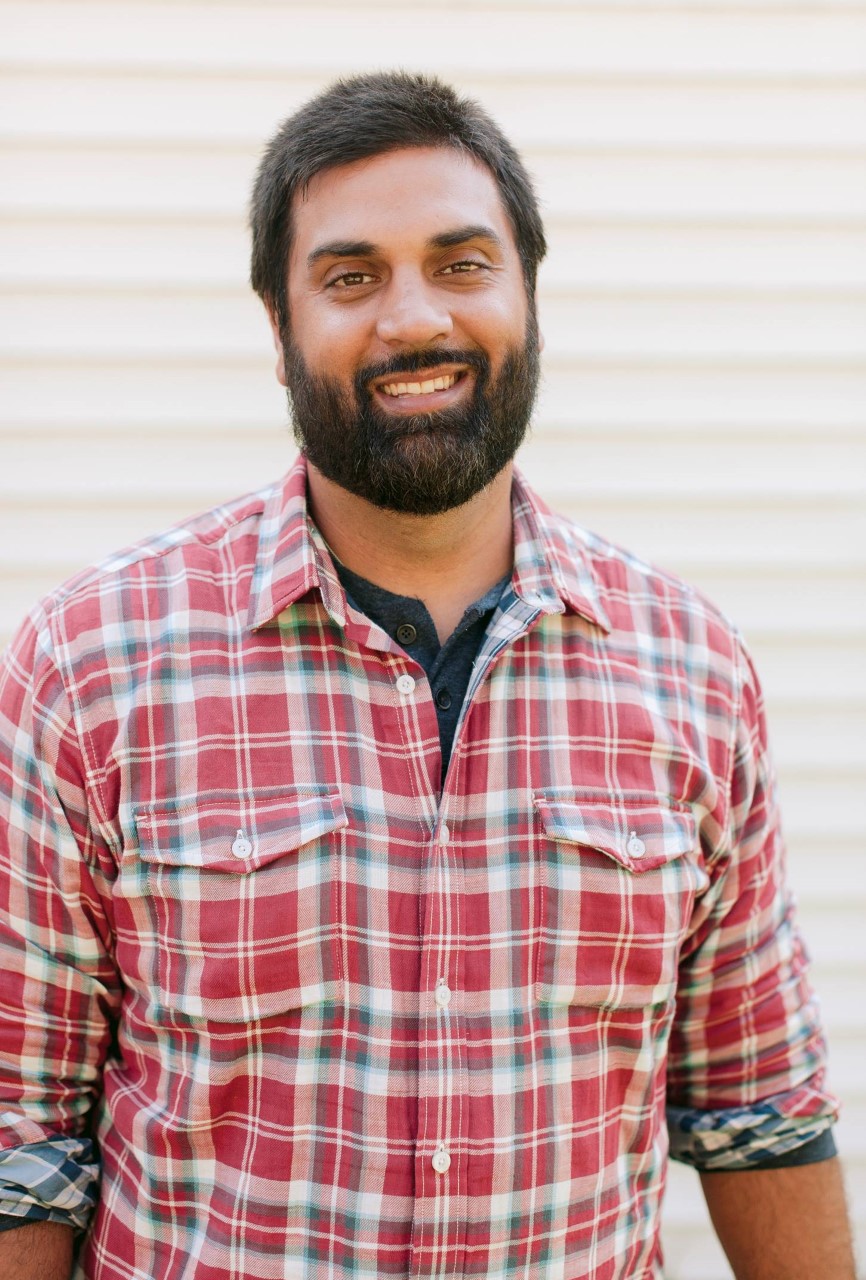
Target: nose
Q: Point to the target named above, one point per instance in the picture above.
(413, 313)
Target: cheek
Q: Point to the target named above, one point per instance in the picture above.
(497, 323)
(330, 339)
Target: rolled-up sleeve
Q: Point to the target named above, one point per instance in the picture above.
(60, 990)
(54, 1181)
(746, 1076)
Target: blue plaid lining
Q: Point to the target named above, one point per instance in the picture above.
(52, 1181)
(747, 1137)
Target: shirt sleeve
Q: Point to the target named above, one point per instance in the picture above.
(60, 989)
(746, 1072)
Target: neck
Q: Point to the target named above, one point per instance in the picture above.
(447, 560)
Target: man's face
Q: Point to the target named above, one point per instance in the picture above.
(412, 361)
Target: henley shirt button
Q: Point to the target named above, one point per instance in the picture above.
(443, 699)
(441, 1160)
(406, 633)
(635, 847)
(242, 847)
(406, 684)
(442, 995)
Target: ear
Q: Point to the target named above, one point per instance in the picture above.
(278, 345)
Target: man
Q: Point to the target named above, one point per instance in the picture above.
(391, 869)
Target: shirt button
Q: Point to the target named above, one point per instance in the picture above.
(635, 847)
(406, 633)
(405, 684)
(444, 833)
(441, 1160)
(442, 995)
(443, 699)
(242, 847)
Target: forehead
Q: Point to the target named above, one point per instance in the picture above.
(397, 197)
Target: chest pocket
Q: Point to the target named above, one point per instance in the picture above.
(618, 879)
(239, 905)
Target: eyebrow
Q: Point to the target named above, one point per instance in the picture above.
(474, 231)
(366, 248)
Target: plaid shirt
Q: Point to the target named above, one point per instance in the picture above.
(328, 1021)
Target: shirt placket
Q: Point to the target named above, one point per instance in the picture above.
(442, 1158)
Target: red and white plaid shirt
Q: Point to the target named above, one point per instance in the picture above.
(328, 1022)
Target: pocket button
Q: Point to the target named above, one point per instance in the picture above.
(242, 847)
(635, 847)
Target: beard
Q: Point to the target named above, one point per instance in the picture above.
(425, 463)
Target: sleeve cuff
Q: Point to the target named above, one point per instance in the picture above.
(821, 1148)
(55, 1180)
(766, 1135)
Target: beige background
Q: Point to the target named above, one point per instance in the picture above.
(703, 172)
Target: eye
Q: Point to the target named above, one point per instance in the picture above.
(466, 266)
(349, 280)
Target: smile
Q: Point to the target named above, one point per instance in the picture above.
(423, 390)
(419, 388)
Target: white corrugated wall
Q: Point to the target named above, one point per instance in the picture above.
(703, 171)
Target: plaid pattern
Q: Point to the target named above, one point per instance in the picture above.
(54, 1181)
(361, 1029)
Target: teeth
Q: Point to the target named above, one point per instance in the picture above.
(419, 388)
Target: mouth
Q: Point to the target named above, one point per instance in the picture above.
(424, 391)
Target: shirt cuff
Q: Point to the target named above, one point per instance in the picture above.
(56, 1180)
(766, 1135)
(821, 1148)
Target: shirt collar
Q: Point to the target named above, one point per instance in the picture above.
(292, 558)
(552, 570)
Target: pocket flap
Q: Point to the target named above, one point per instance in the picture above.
(234, 835)
(637, 832)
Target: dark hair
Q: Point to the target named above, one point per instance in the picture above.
(365, 116)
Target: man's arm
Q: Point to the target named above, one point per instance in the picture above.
(60, 986)
(782, 1224)
(36, 1251)
(747, 1100)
